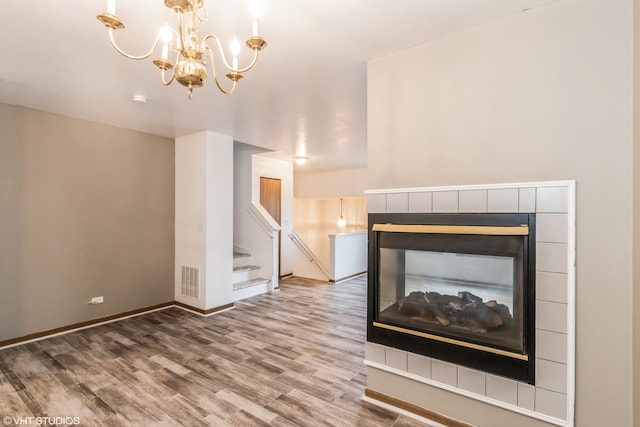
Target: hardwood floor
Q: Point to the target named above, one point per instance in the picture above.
(291, 358)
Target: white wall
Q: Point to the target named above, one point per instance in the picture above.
(190, 210)
(542, 95)
(248, 234)
(243, 154)
(251, 163)
(317, 208)
(331, 184)
(316, 219)
(219, 216)
(267, 167)
(204, 216)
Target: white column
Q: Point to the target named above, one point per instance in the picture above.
(219, 230)
(204, 217)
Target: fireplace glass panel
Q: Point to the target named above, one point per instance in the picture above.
(473, 297)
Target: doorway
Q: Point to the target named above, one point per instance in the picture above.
(271, 200)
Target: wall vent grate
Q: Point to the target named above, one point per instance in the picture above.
(190, 282)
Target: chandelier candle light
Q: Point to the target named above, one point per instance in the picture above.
(191, 54)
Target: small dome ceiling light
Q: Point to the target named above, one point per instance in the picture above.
(139, 99)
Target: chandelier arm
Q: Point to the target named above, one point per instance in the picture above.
(224, 60)
(253, 62)
(215, 75)
(165, 82)
(126, 55)
(223, 90)
(220, 51)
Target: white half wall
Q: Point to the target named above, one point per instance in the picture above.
(348, 255)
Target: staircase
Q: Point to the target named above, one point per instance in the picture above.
(246, 278)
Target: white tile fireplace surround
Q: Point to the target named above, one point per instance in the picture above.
(553, 396)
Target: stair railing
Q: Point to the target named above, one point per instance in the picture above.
(262, 217)
(307, 252)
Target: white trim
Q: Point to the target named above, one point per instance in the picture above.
(466, 393)
(572, 302)
(567, 183)
(201, 314)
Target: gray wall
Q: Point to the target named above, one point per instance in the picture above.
(542, 95)
(85, 210)
(636, 210)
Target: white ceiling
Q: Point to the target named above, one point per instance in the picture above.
(307, 92)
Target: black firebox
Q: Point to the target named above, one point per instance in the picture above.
(455, 287)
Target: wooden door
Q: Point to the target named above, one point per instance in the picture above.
(270, 199)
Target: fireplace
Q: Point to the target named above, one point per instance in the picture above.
(455, 287)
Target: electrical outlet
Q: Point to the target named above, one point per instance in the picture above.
(97, 300)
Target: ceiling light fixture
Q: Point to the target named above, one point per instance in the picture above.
(139, 99)
(191, 54)
(301, 160)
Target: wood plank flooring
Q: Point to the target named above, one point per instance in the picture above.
(291, 358)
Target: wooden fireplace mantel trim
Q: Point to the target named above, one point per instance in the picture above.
(522, 230)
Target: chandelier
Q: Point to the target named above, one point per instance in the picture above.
(191, 54)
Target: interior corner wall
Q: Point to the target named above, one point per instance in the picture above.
(542, 95)
(87, 210)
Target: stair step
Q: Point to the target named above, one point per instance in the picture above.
(245, 268)
(241, 259)
(240, 255)
(249, 283)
